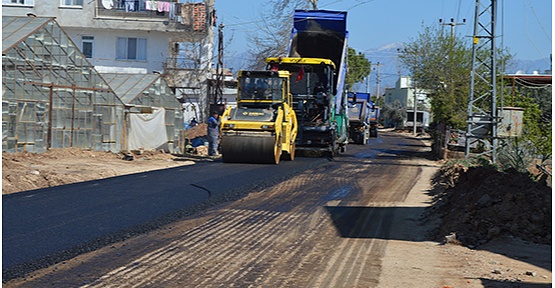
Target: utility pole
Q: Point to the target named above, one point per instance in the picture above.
(218, 96)
(378, 80)
(453, 24)
(481, 127)
(415, 111)
(368, 80)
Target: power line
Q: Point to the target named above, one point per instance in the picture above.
(530, 38)
(537, 19)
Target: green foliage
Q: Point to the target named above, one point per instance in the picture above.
(358, 68)
(394, 115)
(441, 64)
(512, 154)
(537, 130)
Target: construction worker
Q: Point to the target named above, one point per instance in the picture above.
(213, 134)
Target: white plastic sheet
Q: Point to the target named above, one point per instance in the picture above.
(147, 131)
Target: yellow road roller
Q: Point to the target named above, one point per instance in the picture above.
(262, 127)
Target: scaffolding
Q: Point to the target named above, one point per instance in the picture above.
(52, 97)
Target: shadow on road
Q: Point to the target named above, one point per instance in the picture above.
(377, 222)
(373, 222)
(509, 284)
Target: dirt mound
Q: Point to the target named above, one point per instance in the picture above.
(198, 131)
(22, 171)
(480, 204)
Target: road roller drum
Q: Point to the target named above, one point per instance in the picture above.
(249, 149)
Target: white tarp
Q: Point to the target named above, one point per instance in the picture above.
(147, 131)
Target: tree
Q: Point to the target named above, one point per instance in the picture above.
(440, 63)
(394, 115)
(537, 138)
(271, 37)
(358, 67)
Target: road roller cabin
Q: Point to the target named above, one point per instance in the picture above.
(263, 126)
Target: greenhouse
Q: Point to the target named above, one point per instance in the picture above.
(52, 97)
(153, 116)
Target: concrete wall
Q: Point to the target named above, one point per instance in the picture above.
(104, 48)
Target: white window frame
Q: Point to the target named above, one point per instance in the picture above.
(71, 3)
(125, 51)
(19, 2)
(89, 40)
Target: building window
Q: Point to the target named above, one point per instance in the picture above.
(72, 2)
(87, 45)
(131, 48)
(19, 2)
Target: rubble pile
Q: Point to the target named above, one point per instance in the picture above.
(481, 203)
(200, 130)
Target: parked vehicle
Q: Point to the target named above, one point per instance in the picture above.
(363, 118)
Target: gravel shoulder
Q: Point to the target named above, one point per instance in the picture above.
(416, 261)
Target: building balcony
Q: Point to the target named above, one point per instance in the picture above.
(136, 9)
(182, 16)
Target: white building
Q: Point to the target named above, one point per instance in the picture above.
(126, 35)
(404, 92)
(137, 36)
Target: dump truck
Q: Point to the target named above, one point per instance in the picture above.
(373, 119)
(262, 127)
(363, 117)
(316, 59)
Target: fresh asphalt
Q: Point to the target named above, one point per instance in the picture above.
(54, 224)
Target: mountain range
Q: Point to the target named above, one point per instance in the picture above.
(385, 63)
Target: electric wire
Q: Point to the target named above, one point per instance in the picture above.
(528, 34)
(531, 85)
(539, 22)
(458, 10)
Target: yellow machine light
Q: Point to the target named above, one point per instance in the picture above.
(267, 126)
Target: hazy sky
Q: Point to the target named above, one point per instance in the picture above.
(525, 26)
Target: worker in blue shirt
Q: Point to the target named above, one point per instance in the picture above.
(213, 134)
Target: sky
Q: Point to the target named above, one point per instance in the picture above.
(524, 26)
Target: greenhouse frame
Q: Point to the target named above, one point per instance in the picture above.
(147, 98)
(52, 97)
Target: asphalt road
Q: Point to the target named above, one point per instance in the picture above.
(58, 223)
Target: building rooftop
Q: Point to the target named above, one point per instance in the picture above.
(530, 79)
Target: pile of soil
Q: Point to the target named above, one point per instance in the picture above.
(22, 171)
(200, 130)
(477, 205)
